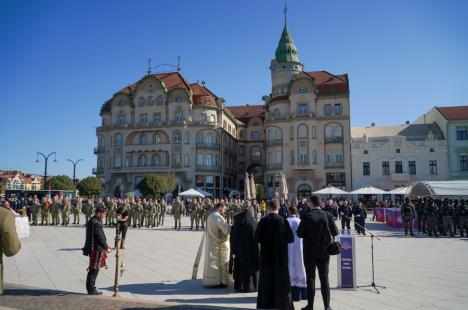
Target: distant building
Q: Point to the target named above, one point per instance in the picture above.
(388, 157)
(17, 180)
(453, 122)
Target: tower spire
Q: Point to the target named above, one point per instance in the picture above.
(285, 13)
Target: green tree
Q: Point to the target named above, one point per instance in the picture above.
(154, 185)
(91, 186)
(60, 182)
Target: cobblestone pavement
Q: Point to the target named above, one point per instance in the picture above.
(419, 273)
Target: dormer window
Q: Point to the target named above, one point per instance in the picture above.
(302, 90)
(150, 89)
(179, 99)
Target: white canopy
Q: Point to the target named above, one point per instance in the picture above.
(204, 193)
(439, 188)
(399, 191)
(191, 193)
(330, 190)
(368, 190)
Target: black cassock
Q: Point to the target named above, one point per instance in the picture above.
(245, 252)
(274, 289)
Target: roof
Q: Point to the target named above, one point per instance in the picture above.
(170, 79)
(415, 132)
(328, 83)
(421, 131)
(457, 113)
(439, 188)
(245, 112)
(376, 131)
(286, 50)
(202, 95)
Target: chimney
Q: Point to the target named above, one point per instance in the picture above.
(407, 122)
(372, 124)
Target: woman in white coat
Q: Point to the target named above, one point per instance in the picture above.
(297, 273)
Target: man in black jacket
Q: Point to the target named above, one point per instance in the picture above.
(96, 248)
(316, 229)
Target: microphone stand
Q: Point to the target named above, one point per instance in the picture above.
(373, 285)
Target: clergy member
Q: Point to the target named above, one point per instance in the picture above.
(274, 233)
(216, 269)
(244, 251)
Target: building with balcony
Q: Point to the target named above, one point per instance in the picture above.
(162, 123)
(395, 156)
(17, 180)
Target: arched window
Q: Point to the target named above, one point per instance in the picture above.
(302, 90)
(209, 138)
(156, 139)
(187, 138)
(255, 135)
(304, 190)
(200, 138)
(159, 100)
(302, 131)
(255, 153)
(118, 139)
(176, 137)
(143, 139)
(141, 101)
(150, 100)
(156, 160)
(333, 133)
(142, 161)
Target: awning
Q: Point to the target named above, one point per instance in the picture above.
(439, 188)
(204, 193)
(369, 190)
(399, 191)
(331, 190)
(191, 193)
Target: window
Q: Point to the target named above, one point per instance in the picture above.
(142, 161)
(302, 108)
(200, 138)
(118, 139)
(463, 162)
(291, 133)
(159, 100)
(203, 117)
(241, 150)
(303, 155)
(302, 90)
(314, 132)
(292, 157)
(338, 157)
(433, 167)
(150, 100)
(276, 113)
(385, 168)
(412, 167)
(156, 160)
(241, 134)
(150, 89)
(209, 139)
(462, 132)
(255, 153)
(397, 151)
(302, 131)
(176, 137)
(328, 157)
(209, 181)
(141, 101)
(186, 138)
(327, 109)
(366, 152)
(366, 168)
(255, 135)
(338, 109)
(142, 139)
(279, 157)
(156, 139)
(255, 124)
(278, 134)
(118, 161)
(398, 166)
(314, 156)
(121, 120)
(157, 118)
(431, 150)
(199, 159)
(179, 98)
(187, 160)
(127, 162)
(143, 118)
(179, 116)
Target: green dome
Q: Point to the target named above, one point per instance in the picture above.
(286, 50)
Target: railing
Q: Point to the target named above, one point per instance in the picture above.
(274, 142)
(275, 166)
(99, 149)
(334, 140)
(98, 170)
(155, 168)
(334, 165)
(208, 168)
(303, 163)
(213, 146)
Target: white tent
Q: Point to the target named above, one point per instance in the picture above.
(191, 193)
(330, 190)
(204, 193)
(439, 188)
(368, 190)
(399, 191)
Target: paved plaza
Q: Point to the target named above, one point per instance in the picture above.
(419, 273)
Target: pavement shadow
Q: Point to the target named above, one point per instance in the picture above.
(70, 249)
(12, 290)
(217, 300)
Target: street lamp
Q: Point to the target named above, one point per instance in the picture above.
(46, 158)
(74, 168)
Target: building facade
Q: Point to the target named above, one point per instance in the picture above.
(453, 122)
(164, 124)
(389, 157)
(17, 180)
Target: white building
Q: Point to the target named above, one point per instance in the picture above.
(394, 156)
(453, 122)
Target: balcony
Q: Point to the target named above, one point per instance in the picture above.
(331, 165)
(304, 115)
(275, 166)
(274, 142)
(98, 170)
(208, 168)
(330, 140)
(211, 146)
(99, 150)
(158, 168)
(400, 177)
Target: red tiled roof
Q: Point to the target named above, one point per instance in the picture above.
(245, 112)
(328, 83)
(170, 79)
(202, 95)
(457, 113)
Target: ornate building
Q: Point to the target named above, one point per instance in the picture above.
(163, 123)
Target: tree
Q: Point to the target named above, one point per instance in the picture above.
(60, 182)
(91, 186)
(154, 185)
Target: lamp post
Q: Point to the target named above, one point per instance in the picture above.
(46, 158)
(74, 168)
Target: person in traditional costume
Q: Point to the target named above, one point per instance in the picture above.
(297, 273)
(274, 234)
(96, 248)
(244, 249)
(216, 269)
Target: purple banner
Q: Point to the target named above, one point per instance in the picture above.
(380, 214)
(346, 262)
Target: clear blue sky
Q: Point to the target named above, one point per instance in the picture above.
(60, 60)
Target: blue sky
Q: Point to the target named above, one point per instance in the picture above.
(60, 60)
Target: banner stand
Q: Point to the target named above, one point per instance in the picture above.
(347, 263)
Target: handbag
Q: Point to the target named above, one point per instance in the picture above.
(334, 248)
